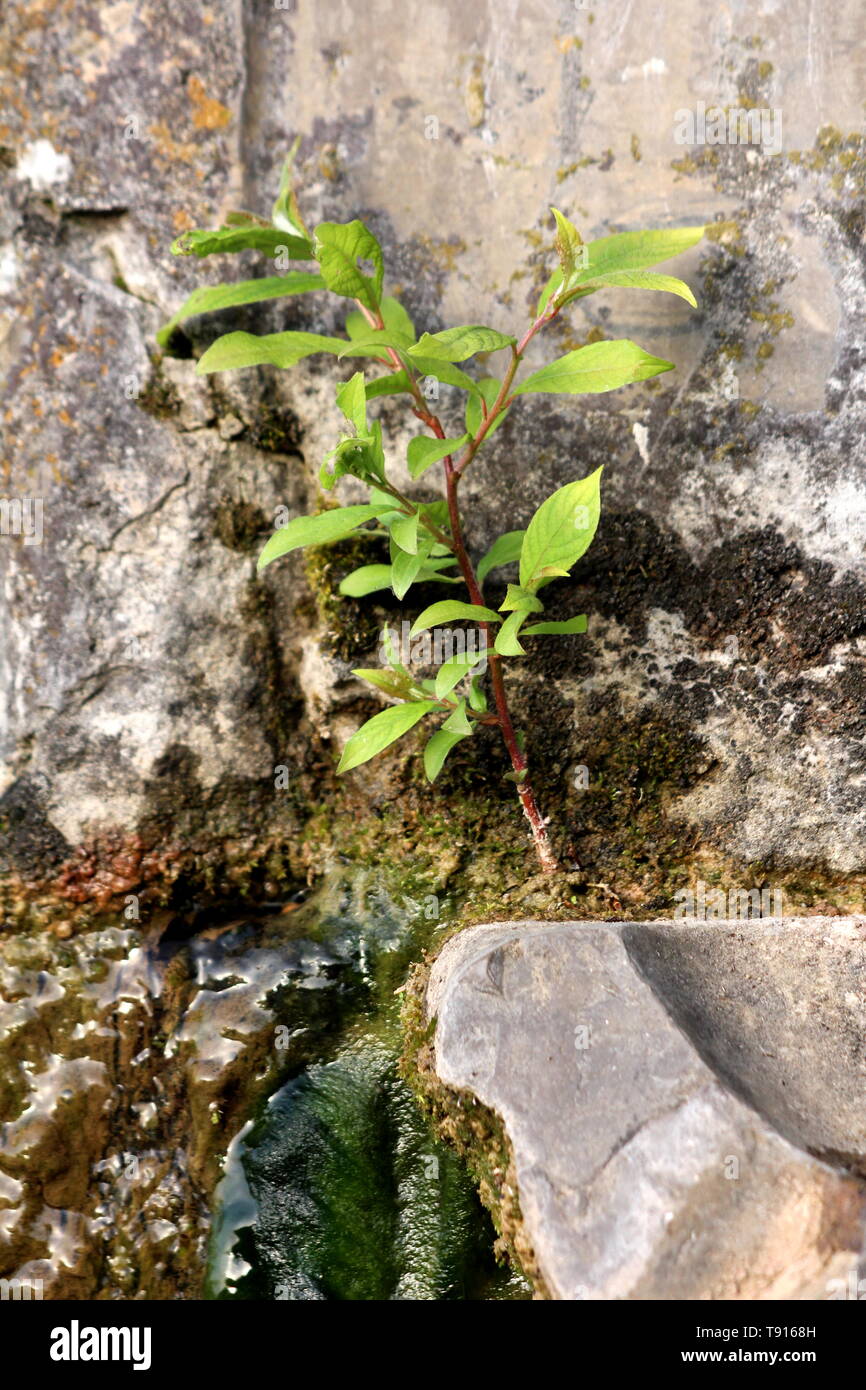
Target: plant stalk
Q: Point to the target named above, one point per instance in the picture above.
(543, 848)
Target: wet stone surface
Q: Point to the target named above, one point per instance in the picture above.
(130, 1060)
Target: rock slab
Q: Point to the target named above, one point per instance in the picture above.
(685, 1102)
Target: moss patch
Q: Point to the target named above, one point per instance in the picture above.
(474, 1130)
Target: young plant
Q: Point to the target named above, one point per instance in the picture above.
(426, 539)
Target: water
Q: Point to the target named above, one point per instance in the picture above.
(223, 1095)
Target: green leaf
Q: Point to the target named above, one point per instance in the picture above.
(404, 533)
(453, 671)
(506, 643)
(370, 579)
(405, 569)
(637, 250)
(489, 388)
(450, 610)
(477, 698)
(550, 288)
(561, 530)
(503, 551)
(570, 625)
(568, 240)
(236, 350)
(328, 526)
(428, 573)
(209, 298)
(621, 252)
(632, 280)
(359, 455)
(598, 367)
(456, 344)
(352, 400)
(437, 750)
(423, 451)
(286, 213)
(375, 343)
(457, 722)
(249, 237)
(397, 684)
(518, 599)
(391, 385)
(394, 316)
(381, 731)
(447, 372)
(366, 580)
(339, 247)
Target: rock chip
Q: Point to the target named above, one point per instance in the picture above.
(681, 1099)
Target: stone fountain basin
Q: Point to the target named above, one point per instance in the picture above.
(686, 1102)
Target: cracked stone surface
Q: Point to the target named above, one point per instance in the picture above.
(148, 684)
(685, 1103)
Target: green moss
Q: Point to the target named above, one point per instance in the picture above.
(159, 396)
(472, 1129)
(276, 430)
(239, 525)
(347, 627)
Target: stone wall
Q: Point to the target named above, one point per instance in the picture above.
(150, 684)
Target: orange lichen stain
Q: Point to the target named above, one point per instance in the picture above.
(65, 418)
(182, 220)
(568, 41)
(170, 149)
(208, 113)
(36, 407)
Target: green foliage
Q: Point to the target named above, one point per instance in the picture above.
(339, 247)
(212, 297)
(236, 350)
(456, 344)
(620, 253)
(503, 551)
(381, 731)
(425, 537)
(286, 214)
(317, 530)
(437, 750)
(450, 611)
(598, 367)
(488, 391)
(246, 237)
(423, 451)
(560, 531)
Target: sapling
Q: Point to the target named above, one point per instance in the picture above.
(426, 538)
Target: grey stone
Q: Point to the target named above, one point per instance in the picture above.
(726, 588)
(621, 1057)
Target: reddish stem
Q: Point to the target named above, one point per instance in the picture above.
(543, 848)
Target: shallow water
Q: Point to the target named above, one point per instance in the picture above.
(141, 1069)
